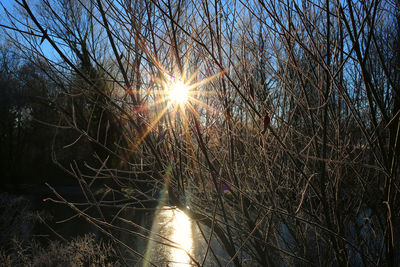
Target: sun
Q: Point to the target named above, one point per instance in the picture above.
(178, 93)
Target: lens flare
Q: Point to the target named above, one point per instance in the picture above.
(178, 93)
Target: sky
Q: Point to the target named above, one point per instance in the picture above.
(10, 5)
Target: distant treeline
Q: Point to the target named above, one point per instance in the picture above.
(27, 119)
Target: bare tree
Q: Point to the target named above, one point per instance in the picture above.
(287, 149)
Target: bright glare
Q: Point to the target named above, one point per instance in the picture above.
(178, 93)
(174, 225)
(182, 235)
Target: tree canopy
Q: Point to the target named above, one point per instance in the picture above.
(286, 150)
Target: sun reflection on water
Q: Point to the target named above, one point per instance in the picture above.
(182, 234)
(171, 224)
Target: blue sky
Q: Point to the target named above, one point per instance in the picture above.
(9, 5)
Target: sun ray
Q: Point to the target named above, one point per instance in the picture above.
(208, 79)
(149, 128)
(194, 75)
(157, 103)
(196, 101)
(178, 93)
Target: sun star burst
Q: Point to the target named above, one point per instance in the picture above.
(178, 93)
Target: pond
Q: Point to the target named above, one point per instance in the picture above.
(176, 240)
(172, 238)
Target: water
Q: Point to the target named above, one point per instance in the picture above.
(171, 239)
(174, 240)
(178, 241)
